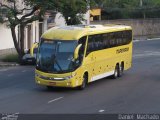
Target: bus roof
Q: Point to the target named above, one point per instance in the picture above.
(76, 32)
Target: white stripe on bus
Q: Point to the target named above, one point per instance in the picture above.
(97, 77)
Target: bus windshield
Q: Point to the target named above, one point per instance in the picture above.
(56, 56)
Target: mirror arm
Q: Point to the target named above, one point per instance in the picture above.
(77, 51)
(32, 48)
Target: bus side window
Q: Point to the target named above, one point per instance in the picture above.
(97, 42)
(100, 41)
(118, 38)
(90, 45)
(129, 36)
(82, 49)
(106, 40)
(123, 37)
(112, 39)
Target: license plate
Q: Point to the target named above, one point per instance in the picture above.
(52, 83)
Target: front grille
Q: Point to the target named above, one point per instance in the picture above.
(50, 78)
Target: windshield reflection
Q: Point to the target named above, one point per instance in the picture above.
(56, 56)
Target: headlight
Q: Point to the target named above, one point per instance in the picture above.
(40, 76)
(69, 77)
(55, 78)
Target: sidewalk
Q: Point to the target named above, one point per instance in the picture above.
(7, 64)
(148, 37)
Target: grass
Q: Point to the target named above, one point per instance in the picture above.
(10, 58)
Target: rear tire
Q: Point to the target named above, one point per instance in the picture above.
(84, 82)
(120, 70)
(115, 75)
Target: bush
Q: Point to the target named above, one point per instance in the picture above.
(124, 13)
(11, 58)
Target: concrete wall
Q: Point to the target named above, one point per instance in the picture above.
(141, 27)
(5, 38)
(5, 52)
(6, 41)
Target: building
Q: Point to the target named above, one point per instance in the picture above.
(95, 14)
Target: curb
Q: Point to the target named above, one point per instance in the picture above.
(153, 39)
(148, 39)
(8, 64)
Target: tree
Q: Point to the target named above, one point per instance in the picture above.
(15, 15)
(121, 9)
(72, 10)
(32, 10)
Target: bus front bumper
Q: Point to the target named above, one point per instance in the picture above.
(63, 80)
(64, 83)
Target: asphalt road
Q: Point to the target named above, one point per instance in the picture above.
(138, 91)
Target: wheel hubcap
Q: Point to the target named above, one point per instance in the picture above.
(116, 73)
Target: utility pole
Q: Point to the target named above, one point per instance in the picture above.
(141, 3)
(88, 11)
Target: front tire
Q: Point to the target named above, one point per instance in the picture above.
(84, 82)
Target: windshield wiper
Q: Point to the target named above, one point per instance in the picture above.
(55, 60)
(58, 65)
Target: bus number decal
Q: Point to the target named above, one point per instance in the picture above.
(122, 50)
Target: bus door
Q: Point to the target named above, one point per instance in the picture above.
(89, 58)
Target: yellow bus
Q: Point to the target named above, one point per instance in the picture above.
(73, 56)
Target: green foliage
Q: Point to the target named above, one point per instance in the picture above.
(11, 58)
(122, 9)
(72, 10)
(1, 19)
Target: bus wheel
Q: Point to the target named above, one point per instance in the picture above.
(84, 82)
(120, 70)
(115, 75)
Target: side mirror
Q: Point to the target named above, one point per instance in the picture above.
(76, 52)
(35, 45)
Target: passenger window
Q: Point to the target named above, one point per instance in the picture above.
(108, 40)
(90, 45)
(82, 49)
